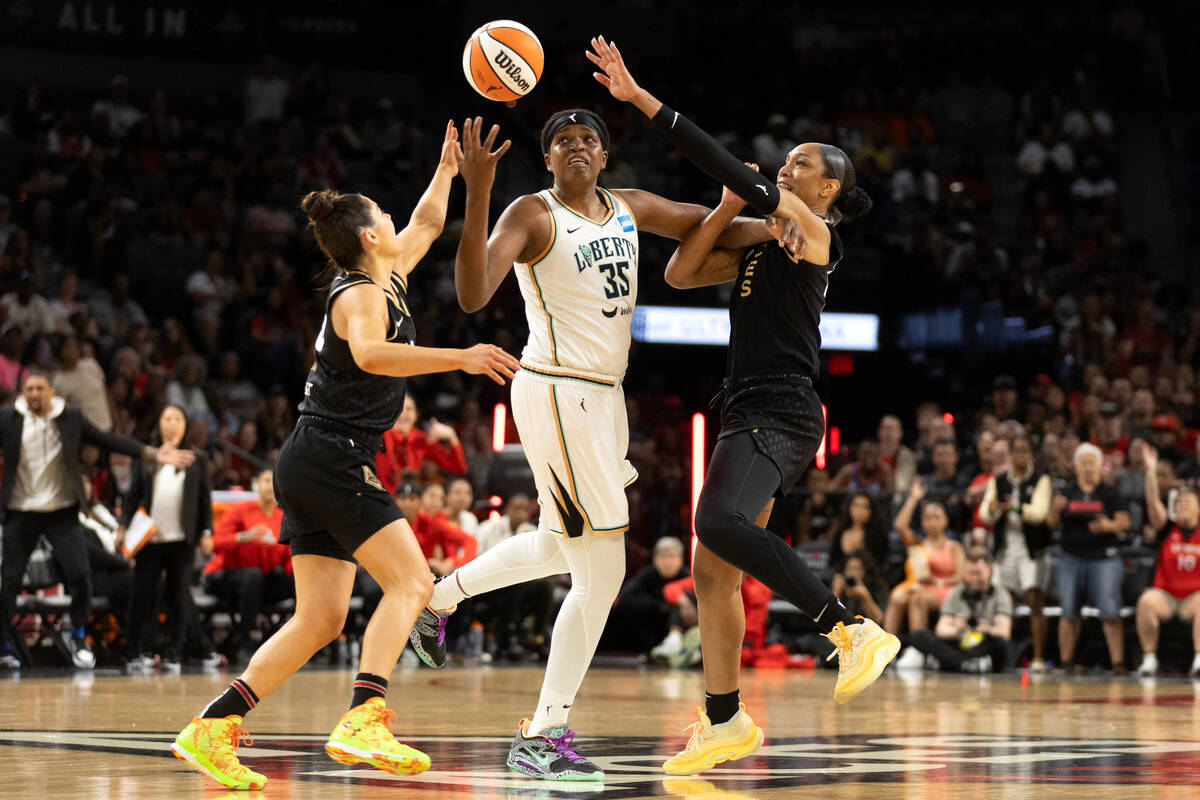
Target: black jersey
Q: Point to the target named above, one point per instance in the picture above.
(339, 390)
(775, 311)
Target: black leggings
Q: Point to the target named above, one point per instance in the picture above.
(175, 559)
(739, 483)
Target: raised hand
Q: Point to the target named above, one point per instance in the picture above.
(1150, 457)
(179, 459)
(613, 75)
(452, 154)
(478, 165)
(487, 359)
(789, 236)
(917, 491)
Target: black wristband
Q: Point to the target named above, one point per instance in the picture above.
(717, 162)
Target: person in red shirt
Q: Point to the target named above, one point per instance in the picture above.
(1176, 589)
(444, 544)
(249, 568)
(406, 447)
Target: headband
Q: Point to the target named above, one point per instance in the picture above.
(573, 118)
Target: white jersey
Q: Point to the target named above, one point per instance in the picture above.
(580, 292)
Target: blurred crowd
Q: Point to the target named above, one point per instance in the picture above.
(152, 256)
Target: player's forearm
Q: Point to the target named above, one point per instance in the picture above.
(744, 232)
(689, 256)
(431, 208)
(471, 261)
(647, 103)
(405, 360)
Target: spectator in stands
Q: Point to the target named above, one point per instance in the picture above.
(771, 147)
(178, 503)
(114, 311)
(1145, 343)
(1112, 441)
(859, 586)
(12, 372)
(866, 473)
(1091, 516)
(1176, 588)
(80, 382)
(895, 456)
(407, 447)
(266, 93)
(860, 527)
(40, 495)
(187, 390)
(241, 396)
(935, 564)
(517, 513)
(209, 291)
(975, 625)
(443, 543)
(249, 569)
(433, 500)
(28, 309)
(67, 304)
(120, 113)
(818, 511)
(1141, 414)
(1015, 505)
(1130, 483)
(947, 485)
(644, 614)
(460, 497)
(1046, 149)
(111, 572)
(1164, 436)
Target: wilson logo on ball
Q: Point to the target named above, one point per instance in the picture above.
(503, 60)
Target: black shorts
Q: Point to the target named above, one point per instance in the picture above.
(783, 415)
(332, 500)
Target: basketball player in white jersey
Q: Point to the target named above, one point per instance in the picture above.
(575, 248)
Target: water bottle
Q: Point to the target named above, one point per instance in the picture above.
(475, 640)
(918, 562)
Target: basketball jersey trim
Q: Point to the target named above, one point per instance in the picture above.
(553, 232)
(549, 319)
(603, 195)
(545, 373)
(614, 198)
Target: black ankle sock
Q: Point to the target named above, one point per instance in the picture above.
(367, 686)
(721, 707)
(238, 699)
(833, 612)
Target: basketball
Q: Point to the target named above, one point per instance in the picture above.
(503, 60)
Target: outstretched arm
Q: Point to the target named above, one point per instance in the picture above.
(1156, 512)
(425, 224)
(480, 265)
(704, 151)
(359, 315)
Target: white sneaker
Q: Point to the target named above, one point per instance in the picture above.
(1194, 672)
(9, 661)
(912, 658)
(1037, 666)
(668, 647)
(982, 665)
(1149, 666)
(81, 654)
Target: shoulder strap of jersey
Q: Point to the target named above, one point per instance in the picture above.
(343, 282)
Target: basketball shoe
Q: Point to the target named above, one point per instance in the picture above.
(710, 744)
(428, 637)
(210, 745)
(364, 736)
(863, 650)
(550, 755)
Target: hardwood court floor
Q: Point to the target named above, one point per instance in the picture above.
(86, 737)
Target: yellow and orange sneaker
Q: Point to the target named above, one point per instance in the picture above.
(709, 745)
(863, 650)
(209, 746)
(364, 736)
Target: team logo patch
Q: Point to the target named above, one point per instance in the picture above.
(370, 479)
(583, 259)
(626, 223)
(468, 765)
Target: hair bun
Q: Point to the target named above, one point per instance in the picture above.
(853, 204)
(317, 205)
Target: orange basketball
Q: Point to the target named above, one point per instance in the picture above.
(503, 60)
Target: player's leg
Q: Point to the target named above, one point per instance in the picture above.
(543, 745)
(209, 744)
(1189, 611)
(1153, 609)
(725, 732)
(364, 735)
(740, 481)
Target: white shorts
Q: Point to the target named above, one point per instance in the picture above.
(1018, 571)
(575, 434)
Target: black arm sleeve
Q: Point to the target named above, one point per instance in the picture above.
(717, 162)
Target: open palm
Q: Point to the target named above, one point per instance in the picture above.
(613, 75)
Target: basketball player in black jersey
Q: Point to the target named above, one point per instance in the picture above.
(336, 510)
(771, 419)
